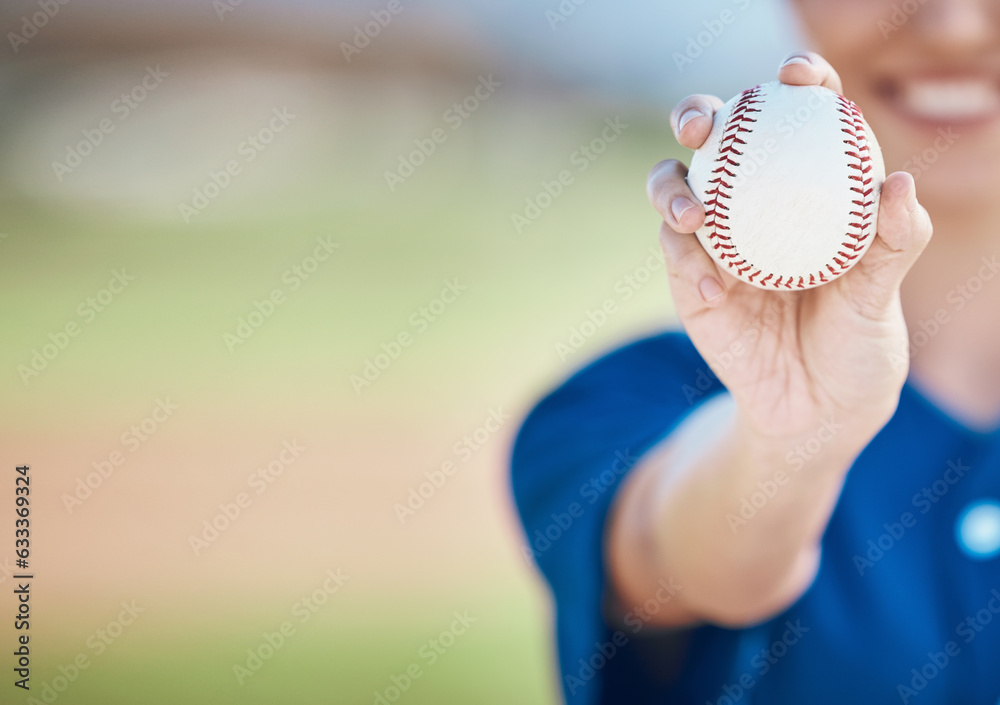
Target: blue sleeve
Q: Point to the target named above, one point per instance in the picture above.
(570, 456)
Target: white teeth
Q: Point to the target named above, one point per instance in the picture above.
(965, 99)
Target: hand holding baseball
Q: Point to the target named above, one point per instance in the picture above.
(792, 356)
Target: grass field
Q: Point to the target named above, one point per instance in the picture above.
(162, 336)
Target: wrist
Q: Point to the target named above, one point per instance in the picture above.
(829, 440)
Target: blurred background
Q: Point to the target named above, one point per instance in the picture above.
(279, 280)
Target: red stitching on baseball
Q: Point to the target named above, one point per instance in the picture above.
(862, 155)
(733, 128)
(861, 184)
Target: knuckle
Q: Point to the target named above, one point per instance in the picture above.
(685, 260)
(925, 228)
(691, 262)
(664, 175)
(873, 305)
(661, 168)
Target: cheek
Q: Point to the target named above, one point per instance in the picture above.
(964, 176)
(840, 29)
(950, 168)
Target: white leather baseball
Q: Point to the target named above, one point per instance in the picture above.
(790, 179)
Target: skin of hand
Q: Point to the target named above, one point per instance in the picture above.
(806, 359)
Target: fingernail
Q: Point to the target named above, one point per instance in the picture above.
(679, 206)
(710, 289)
(689, 115)
(796, 59)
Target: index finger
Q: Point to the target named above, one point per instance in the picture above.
(670, 195)
(807, 68)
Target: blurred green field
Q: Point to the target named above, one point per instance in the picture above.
(333, 658)
(495, 346)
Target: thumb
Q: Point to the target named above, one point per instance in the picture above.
(902, 232)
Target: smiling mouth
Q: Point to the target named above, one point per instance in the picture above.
(938, 101)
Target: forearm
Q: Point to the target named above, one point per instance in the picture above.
(732, 517)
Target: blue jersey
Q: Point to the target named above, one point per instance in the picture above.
(905, 608)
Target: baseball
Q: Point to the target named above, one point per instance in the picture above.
(790, 179)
